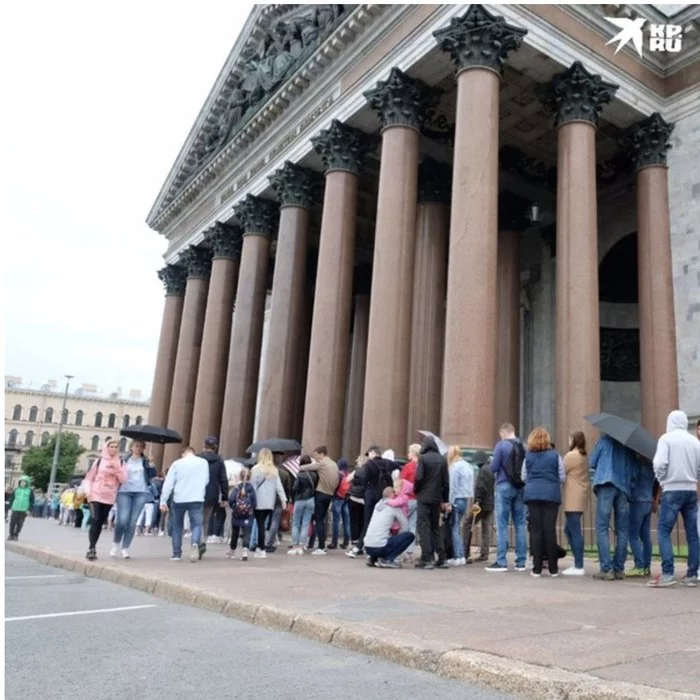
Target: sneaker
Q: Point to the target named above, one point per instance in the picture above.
(195, 554)
(427, 565)
(259, 554)
(619, 575)
(470, 560)
(210, 539)
(535, 575)
(482, 557)
(662, 581)
(371, 562)
(244, 556)
(353, 553)
(114, 552)
(202, 549)
(388, 564)
(318, 552)
(647, 572)
(174, 558)
(457, 562)
(91, 555)
(521, 568)
(554, 575)
(496, 568)
(604, 576)
(293, 551)
(125, 554)
(689, 581)
(442, 564)
(345, 545)
(161, 533)
(635, 573)
(231, 554)
(573, 571)
(333, 545)
(270, 549)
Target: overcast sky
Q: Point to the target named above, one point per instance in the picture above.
(101, 97)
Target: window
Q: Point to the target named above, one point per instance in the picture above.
(45, 437)
(139, 420)
(33, 414)
(12, 438)
(17, 412)
(122, 445)
(29, 438)
(48, 415)
(111, 421)
(64, 416)
(98, 420)
(91, 461)
(78, 417)
(125, 421)
(95, 443)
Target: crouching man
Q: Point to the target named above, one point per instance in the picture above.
(381, 546)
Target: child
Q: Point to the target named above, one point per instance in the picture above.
(242, 501)
(21, 502)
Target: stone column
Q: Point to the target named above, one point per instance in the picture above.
(429, 292)
(343, 150)
(479, 44)
(352, 432)
(174, 278)
(303, 363)
(225, 241)
(259, 220)
(189, 346)
(297, 190)
(576, 97)
(657, 325)
(400, 102)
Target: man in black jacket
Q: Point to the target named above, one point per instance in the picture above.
(432, 489)
(485, 499)
(217, 488)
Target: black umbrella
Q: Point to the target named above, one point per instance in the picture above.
(626, 432)
(152, 433)
(275, 445)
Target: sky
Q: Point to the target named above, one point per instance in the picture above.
(102, 95)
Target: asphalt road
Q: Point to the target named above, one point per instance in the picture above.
(139, 646)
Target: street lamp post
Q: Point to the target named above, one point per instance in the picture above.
(57, 448)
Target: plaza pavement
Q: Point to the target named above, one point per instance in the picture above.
(540, 638)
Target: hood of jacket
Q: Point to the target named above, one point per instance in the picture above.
(209, 456)
(479, 458)
(429, 445)
(27, 482)
(677, 420)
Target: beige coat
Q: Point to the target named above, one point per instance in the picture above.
(577, 482)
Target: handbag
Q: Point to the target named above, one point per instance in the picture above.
(286, 520)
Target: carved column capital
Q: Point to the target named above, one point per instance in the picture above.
(174, 279)
(296, 186)
(649, 141)
(434, 182)
(257, 215)
(198, 262)
(576, 95)
(225, 240)
(342, 147)
(401, 101)
(479, 39)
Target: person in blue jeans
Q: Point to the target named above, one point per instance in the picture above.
(613, 464)
(303, 492)
(133, 494)
(677, 469)
(341, 509)
(641, 501)
(461, 492)
(509, 503)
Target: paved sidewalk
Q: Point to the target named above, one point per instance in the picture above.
(559, 638)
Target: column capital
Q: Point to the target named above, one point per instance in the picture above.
(576, 95)
(649, 141)
(197, 260)
(174, 279)
(342, 147)
(479, 39)
(296, 186)
(225, 240)
(434, 182)
(401, 100)
(257, 215)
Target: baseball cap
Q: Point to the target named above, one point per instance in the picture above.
(211, 441)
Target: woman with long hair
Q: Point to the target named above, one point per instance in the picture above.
(575, 498)
(101, 484)
(461, 490)
(266, 481)
(543, 473)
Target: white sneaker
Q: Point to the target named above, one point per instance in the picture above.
(194, 553)
(293, 551)
(244, 556)
(174, 558)
(125, 554)
(259, 554)
(319, 552)
(573, 571)
(114, 552)
(161, 533)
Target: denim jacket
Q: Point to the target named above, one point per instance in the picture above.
(613, 464)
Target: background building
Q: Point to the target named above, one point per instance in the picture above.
(32, 416)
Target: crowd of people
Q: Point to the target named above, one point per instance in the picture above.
(382, 507)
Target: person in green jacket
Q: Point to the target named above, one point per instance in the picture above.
(22, 503)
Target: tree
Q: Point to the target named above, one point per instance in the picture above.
(36, 462)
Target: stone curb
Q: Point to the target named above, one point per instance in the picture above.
(507, 675)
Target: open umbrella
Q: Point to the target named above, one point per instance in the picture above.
(152, 433)
(626, 432)
(441, 444)
(275, 445)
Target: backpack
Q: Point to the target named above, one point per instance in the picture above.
(513, 467)
(242, 506)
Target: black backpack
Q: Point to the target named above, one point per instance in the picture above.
(514, 465)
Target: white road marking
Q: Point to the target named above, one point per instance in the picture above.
(78, 612)
(20, 578)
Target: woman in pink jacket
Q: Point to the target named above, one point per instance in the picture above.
(101, 484)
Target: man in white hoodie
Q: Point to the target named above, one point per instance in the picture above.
(677, 469)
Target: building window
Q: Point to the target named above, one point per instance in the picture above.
(125, 421)
(111, 421)
(12, 438)
(33, 414)
(98, 420)
(91, 461)
(139, 420)
(48, 415)
(95, 443)
(45, 437)
(29, 438)
(17, 412)
(64, 416)
(122, 445)
(78, 417)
